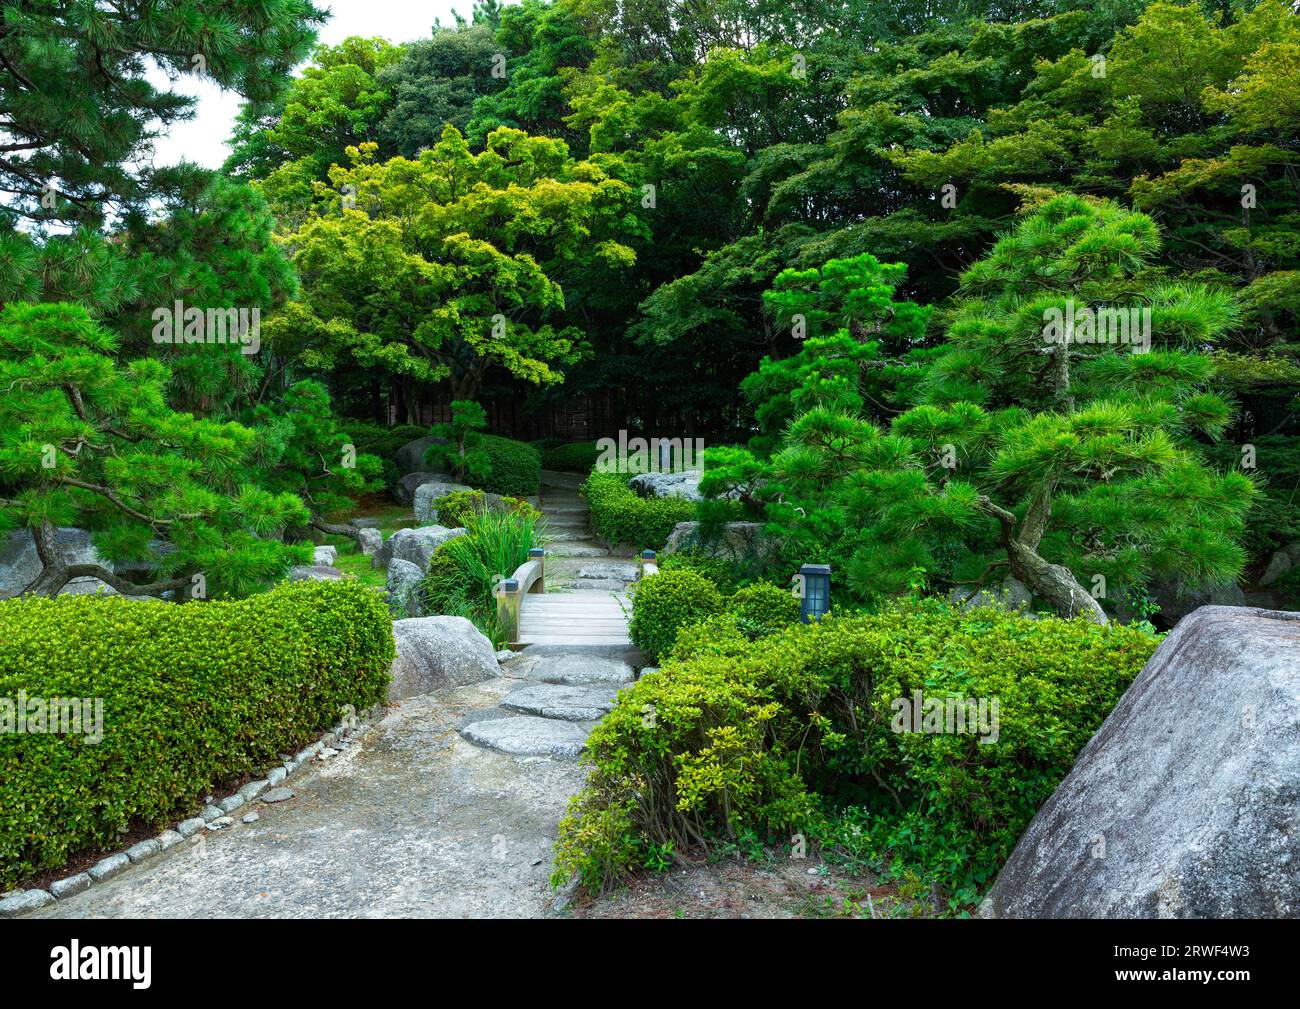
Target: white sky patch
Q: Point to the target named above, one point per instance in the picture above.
(202, 139)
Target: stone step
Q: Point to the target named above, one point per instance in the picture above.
(567, 535)
(555, 700)
(567, 522)
(572, 582)
(577, 549)
(528, 736)
(578, 670)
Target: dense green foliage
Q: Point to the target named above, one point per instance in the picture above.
(619, 516)
(514, 467)
(193, 697)
(769, 736)
(666, 602)
(572, 457)
(464, 572)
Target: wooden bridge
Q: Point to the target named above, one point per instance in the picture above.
(587, 602)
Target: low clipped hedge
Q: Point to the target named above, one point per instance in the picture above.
(666, 602)
(572, 457)
(516, 467)
(619, 516)
(194, 696)
(770, 738)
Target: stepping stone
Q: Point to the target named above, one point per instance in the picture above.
(579, 670)
(578, 550)
(554, 700)
(528, 736)
(626, 570)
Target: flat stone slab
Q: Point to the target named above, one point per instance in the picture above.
(277, 795)
(555, 700)
(580, 670)
(577, 548)
(528, 736)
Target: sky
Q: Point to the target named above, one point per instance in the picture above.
(203, 138)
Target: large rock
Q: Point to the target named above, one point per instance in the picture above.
(738, 542)
(1280, 563)
(403, 588)
(405, 488)
(370, 541)
(410, 457)
(434, 653)
(414, 545)
(1186, 802)
(314, 573)
(427, 496)
(685, 484)
(20, 565)
(324, 556)
(1177, 601)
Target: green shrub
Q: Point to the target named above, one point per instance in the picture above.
(762, 608)
(454, 509)
(516, 467)
(377, 439)
(716, 568)
(753, 612)
(619, 516)
(572, 457)
(464, 572)
(768, 736)
(665, 602)
(194, 697)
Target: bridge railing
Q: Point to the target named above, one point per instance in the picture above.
(528, 577)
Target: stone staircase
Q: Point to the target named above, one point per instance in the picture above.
(574, 560)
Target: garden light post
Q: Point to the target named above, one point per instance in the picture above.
(815, 600)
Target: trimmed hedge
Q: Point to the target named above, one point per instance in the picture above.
(666, 602)
(194, 696)
(768, 738)
(619, 516)
(516, 467)
(572, 457)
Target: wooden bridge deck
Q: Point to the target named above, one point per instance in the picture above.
(573, 618)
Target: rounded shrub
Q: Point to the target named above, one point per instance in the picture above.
(192, 697)
(663, 603)
(516, 467)
(572, 457)
(762, 608)
(455, 509)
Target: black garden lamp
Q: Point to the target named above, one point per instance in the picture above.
(816, 600)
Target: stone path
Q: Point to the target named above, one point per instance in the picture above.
(446, 808)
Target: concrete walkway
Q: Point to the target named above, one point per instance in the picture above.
(411, 820)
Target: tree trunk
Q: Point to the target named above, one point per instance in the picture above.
(1053, 583)
(55, 573)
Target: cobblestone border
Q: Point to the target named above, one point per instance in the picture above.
(215, 816)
